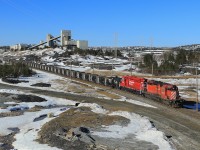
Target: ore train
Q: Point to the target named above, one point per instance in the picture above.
(157, 90)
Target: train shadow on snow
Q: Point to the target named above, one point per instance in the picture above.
(191, 105)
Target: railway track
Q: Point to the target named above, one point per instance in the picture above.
(182, 126)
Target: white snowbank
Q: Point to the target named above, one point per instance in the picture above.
(47, 59)
(124, 67)
(25, 139)
(136, 102)
(139, 103)
(20, 121)
(94, 107)
(138, 126)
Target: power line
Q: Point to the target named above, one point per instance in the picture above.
(22, 10)
(41, 9)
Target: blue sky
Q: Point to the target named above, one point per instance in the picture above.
(136, 22)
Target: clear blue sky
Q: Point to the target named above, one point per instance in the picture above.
(137, 22)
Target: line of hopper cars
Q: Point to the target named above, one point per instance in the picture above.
(163, 92)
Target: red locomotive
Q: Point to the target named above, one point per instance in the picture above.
(161, 91)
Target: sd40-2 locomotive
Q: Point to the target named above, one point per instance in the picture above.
(164, 92)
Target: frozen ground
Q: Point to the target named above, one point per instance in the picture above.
(139, 127)
(47, 57)
(58, 83)
(62, 84)
(29, 129)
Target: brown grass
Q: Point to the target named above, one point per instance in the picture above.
(34, 109)
(77, 117)
(11, 114)
(110, 95)
(76, 89)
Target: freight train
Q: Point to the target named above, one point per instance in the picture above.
(157, 90)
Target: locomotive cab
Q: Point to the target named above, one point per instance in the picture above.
(172, 92)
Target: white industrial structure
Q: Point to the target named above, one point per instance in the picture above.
(19, 47)
(65, 41)
(65, 36)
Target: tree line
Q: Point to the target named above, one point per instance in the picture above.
(171, 63)
(15, 70)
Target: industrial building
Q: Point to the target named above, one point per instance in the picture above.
(65, 41)
(19, 47)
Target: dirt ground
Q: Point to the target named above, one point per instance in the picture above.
(79, 117)
(7, 141)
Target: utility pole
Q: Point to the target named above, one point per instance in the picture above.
(197, 89)
(71, 69)
(112, 69)
(93, 68)
(151, 45)
(115, 50)
(131, 66)
(115, 43)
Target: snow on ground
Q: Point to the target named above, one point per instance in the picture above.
(51, 101)
(47, 54)
(60, 84)
(43, 77)
(47, 59)
(51, 78)
(94, 107)
(136, 102)
(47, 51)
(184, 95)
(138, 126)
(179, 81)
(75, 68)
(139, 103)
(90, 59)
(124, 67)
(20, 121)
(25, 139)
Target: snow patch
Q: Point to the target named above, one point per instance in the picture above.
(51, 101)
(94, 107)
(25, 139)
(138, 126)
